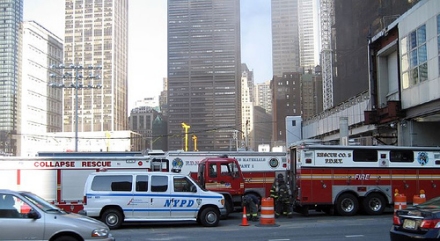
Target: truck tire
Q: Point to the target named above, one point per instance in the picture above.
(209, 217)
(112, 218)
(229, 205)
(347, 205)
(374, 204)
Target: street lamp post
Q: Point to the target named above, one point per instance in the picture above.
(76, 76)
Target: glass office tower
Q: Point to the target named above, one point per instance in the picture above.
(204, 75)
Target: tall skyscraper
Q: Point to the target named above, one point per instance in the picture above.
(11, 17)
(308, 33)
(294, 35)
(204, 73)
(285, 37)
(96, 34)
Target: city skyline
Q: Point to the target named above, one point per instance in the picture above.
(256, 43)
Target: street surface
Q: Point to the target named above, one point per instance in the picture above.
(316, 227)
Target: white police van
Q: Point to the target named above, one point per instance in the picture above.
(117, 197)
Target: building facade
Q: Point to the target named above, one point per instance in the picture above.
(405, 60)
(247, 106)
(41, 106)
(141, 121)
(263, 96)
(367, 18)
(285, 37)
(286, 101)
(11, 17)
(311, 94)
(204, 71)
(96, 34)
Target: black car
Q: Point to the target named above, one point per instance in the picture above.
(421, 222)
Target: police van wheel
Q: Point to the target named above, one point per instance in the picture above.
(347, 205)
(112, 218)
(209, 217)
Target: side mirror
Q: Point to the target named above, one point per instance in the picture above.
(33, 214)
(193, 188)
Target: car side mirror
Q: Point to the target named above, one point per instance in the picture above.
(193, 188)
(33, 214)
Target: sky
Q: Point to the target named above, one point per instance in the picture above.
(147, 57)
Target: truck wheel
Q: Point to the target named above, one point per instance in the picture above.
(209, 217)
(112, 218)
(374, 204)
(229, 206)
(347, 205)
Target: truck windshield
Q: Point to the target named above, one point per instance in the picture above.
(40, 202)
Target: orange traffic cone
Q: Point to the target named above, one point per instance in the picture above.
(244, 221)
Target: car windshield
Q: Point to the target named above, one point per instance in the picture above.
(40, 202)
(432, 203)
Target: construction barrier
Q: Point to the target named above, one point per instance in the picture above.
(399, 202)
(244, 221)
(267, 216)
(418, 199)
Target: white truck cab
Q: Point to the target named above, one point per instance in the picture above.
(117, 197)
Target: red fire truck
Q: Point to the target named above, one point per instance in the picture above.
(347, 179)
(255, 174)
(259, 168)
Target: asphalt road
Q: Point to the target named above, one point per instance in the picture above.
(316, 227)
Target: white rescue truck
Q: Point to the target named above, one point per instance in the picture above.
(61, 180)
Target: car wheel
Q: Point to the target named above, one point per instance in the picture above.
(374, 204)
(347, 205)
(112, 218)
(65, 238)
(209, 217)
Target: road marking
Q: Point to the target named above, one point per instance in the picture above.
(354, 236)
(285, 239)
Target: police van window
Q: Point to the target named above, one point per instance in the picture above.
(401, 156)
(181, 184)
(120, 183)
(159, 183)
(142, 183)
(364, 155)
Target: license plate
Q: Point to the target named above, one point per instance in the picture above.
(409, 224)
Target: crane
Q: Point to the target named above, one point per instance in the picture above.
(326, 16)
